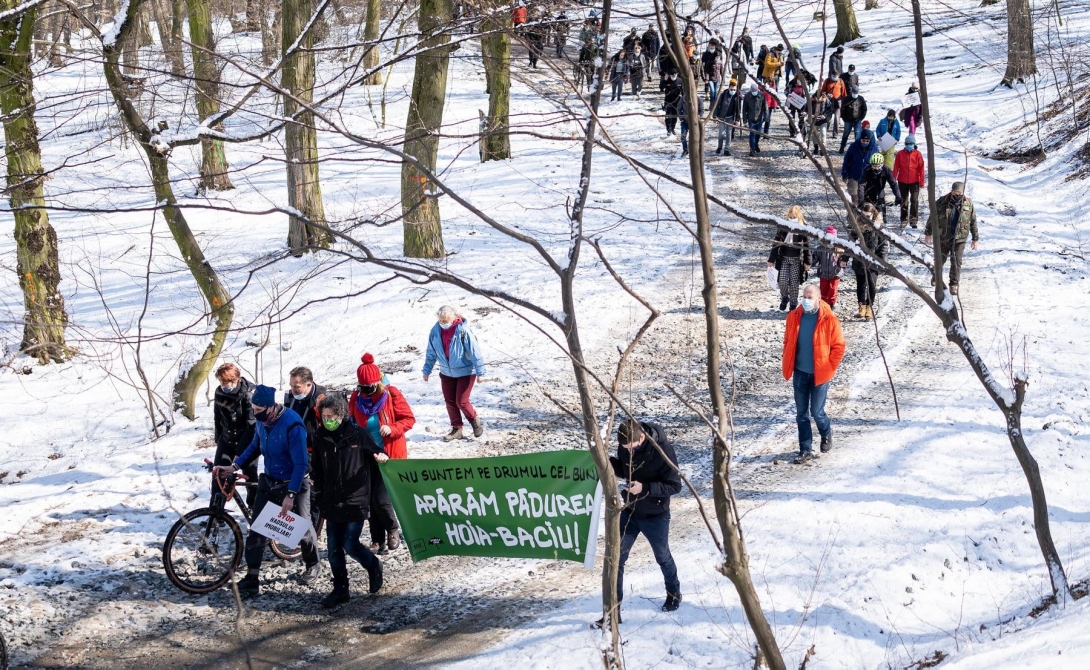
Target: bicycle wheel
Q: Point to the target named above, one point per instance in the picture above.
(202, 550)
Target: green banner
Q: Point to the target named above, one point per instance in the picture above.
(542, 505)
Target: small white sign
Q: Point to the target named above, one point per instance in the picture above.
(287, 529)
(910, 100)
(886, 142)
(796, 101)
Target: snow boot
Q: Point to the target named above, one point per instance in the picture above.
(805, 457)
(869, 313)
(673, 601)
(783, 304)
(454, 434)
(478, 427)
(249, 585)
(374, 577)
(862, 313)
(393, 540)
(340, 593)
(602, 622)
(827, 443)
(310, 574)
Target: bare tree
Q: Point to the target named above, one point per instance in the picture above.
(300, 135)
(206, 77)
(847, 28)
(372, 24)
(1021, 59)
(496, 54)
(36, 241)
(419, 204)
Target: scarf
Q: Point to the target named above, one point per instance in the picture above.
(370, 407)
(272, 414)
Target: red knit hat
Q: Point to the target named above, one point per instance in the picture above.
(368, 373)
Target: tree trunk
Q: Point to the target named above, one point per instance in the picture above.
(419, 205)
(371, 31)
(253, 15)
(36, 241)
(1021, 60)
(270, 33)
(166, 36)
(300, 136)
(870, 4)
(847, 29)
(496, 53)
(206, 75)
(221, 309)
(735, 565)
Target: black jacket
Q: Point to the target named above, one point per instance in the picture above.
(305, 409)
(234, 418)
(671, 96)
(650, 43)
(729, 107)
(836, 63)
(798, 247)
(878, 245)
(874, 183)
(853, 109)
(341, 471)
(754, 107)
(646, 465)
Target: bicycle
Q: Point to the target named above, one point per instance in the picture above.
(205, 547)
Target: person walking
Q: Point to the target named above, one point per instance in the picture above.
(790, 256)
(796, 108)
(302, 397)
(851, 78)
(711, 65)
(382, 410)
(829, 264)
(670, 99)
(813, 347)
(866, 277)
(824, 112)
(728, 110)
(648, 463)
(683, 113)
(587, 55)
(875, 179)
(853, 110)
(836, 92)
(912, 115)
(630, 40)
(909, 172)
(772, 103)
(233, 421)
(454, 347)
(892, 126)
(281, 439)
(836, 62)
(792, 64)
(536, 34)
(773, 66)
(560, 32)
(637, 66)
(651, 44)
(855, 163)
(618, 74)
(754, 109)
(741, 54)
(954, 219)
(341, 469)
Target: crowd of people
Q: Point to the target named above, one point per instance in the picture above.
(321, 450)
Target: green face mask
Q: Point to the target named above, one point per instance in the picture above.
(331, 424)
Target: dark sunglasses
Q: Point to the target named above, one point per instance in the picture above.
(367, 388)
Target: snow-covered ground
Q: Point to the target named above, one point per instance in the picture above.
(910, 538)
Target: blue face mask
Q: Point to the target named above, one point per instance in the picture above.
(854, 96)
(808, 304)
(910, 147)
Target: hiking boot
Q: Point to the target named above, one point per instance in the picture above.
(868, 313)
(249, 585)
(602, 622)
(478, 427)
(914, 223)
(826, 443)
(454, 434)
(673, 601)
(339, 596)
(726, 152)
(758, 150)
(805, 457)
(310, 574)
(783, 304)
(374, 578)
(376, 546)
(393, 540)
(862, 313)
(752, 154)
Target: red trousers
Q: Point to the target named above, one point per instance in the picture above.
(456, 392)
(829, 288)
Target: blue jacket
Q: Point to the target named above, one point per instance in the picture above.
(284, 447)
(857, 158)
(465, 355)
(885, 127)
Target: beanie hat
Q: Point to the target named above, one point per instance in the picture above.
(264, 396)
(855, 89)
(911, 139)
(831, 230)
(368, 373)
(866, 124)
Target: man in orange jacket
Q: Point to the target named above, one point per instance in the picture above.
(813, 346)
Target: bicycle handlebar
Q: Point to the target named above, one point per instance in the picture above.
(239, 477)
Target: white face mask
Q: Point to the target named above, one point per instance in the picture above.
(446, 326)
(229, 389)
(808, 304)
(300, 396)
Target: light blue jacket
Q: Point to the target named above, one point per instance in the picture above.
(894, 128)
(465, 355)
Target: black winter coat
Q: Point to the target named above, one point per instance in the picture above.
(853, 109)
(878, 245)
(836, 63)
(341, 471)
(305, 409)
(646, 465)
(233, 418)
(754, 107)
(799, 246)
(729, 107)
(650, 43)
(874, 183)
(671, 96)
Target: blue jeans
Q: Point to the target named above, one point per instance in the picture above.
(342, 538)
(850, 127)
(726, 134)
(685, 134)
(657, 531)
(713, 90)
(810, 399)
(754, 138)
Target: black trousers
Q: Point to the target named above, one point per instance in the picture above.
(866, 285)
(382, 519)
(272, 491)
(955, 260)
(909, 211)
(226, 456)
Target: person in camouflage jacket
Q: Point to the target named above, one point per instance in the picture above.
(953, 221)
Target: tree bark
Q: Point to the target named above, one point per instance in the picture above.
(371, 29)
(870, 4)
(37, 261)
(735, 565)
(171, 44)
(221, 309)
(272, 22)
(253, 15)
(1021, 60)
(300, 135)
(496, 53)
(206, 75)
(419, 204)
(847, 29)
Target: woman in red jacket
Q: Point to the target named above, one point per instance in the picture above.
(383, 411)
(909, 173)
